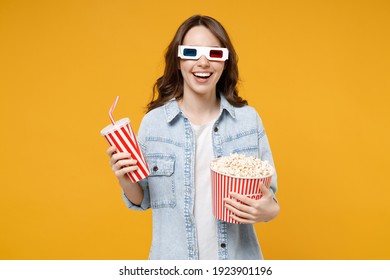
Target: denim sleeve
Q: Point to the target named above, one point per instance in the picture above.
(145, 204)
(266, 154)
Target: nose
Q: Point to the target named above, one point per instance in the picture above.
(203, 61)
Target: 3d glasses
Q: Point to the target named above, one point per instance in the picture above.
(211, 53)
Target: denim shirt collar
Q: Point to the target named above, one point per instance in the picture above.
(172, 108)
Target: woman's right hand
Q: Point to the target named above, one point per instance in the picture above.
(121, 163)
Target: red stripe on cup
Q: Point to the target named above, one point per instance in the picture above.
(121, 148)
(134, 147)
(140, 173)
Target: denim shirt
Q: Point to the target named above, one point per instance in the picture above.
(168, 143)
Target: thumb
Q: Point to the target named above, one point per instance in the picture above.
(264, 190)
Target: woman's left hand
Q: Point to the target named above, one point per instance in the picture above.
(253, 210)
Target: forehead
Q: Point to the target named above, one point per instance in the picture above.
(201, 36)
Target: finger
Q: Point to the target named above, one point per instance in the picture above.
(240, 206)
(124, 163)
(119, 156)
(238, 212)
(111, 150)
(264, 190)
(122, 172)
(243, 198)
(242, 220)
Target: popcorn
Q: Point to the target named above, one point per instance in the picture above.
(238, 165)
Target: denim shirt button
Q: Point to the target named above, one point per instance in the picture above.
(216, 129)
(223, 245)
(155, 168)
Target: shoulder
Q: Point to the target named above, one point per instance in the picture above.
(153, 116)
(246, 112)
(159, 120)
(151, 120)
(248, 115)
(163, 114)
(246, 109)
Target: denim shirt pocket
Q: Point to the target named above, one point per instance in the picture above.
(161, 180)
(248, 151)
(244, 143)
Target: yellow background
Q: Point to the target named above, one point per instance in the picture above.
(318, 72)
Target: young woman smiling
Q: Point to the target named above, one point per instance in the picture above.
(195, 116)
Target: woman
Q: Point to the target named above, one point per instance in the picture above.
(196, 117)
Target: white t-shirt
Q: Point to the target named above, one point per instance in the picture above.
(206, 224)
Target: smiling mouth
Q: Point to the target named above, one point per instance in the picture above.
(202, 75)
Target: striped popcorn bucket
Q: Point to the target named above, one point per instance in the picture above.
(121, 136)
(222, 185)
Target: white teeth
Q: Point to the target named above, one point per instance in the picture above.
(202, 75)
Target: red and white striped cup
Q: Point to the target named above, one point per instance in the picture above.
(121, 136)
(222, 185)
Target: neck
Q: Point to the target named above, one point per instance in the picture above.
(200, 109)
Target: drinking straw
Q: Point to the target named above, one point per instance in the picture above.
(112, 110)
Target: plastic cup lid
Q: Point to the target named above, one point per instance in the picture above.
(111, 128)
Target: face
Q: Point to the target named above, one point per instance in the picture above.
(201, 76)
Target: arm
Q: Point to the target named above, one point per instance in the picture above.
(266, 208)
(122, 163)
